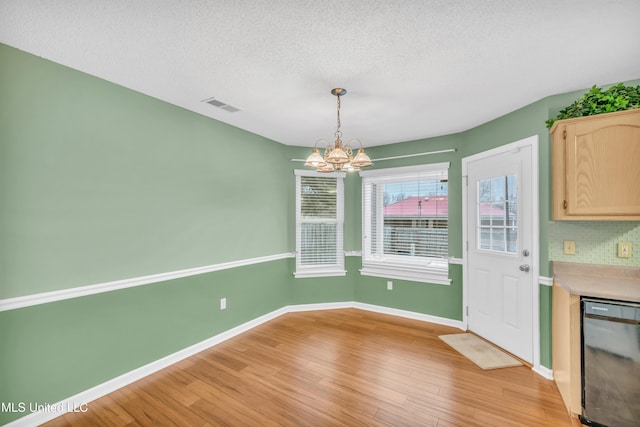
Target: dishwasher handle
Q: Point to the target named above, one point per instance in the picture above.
(611, 310)
(611, 319)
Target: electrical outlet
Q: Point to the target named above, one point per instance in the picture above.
(624, 249)
(223, 303)
(389, 285)
(569, 247)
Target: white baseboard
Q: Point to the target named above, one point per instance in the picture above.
(81, 401)
(318, 306)
(543, 372)
(410, 315)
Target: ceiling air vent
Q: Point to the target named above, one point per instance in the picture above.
(223, 105)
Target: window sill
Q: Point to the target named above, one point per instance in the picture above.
(319, 273)
(412, 273)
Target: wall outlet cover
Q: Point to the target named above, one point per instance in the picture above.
(624, 249)
(569, 247)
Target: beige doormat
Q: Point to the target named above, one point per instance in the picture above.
(479, 351)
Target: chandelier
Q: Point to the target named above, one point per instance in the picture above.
(338, 157)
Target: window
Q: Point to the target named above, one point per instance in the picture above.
(319, 224)
(406, 223)
(497, 214)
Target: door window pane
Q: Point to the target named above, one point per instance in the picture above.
(497, 214)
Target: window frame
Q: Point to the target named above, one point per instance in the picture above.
(321, 270)
(419, 269)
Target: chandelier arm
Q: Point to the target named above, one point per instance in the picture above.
(348, 151)
(319, 141)
(354, 140)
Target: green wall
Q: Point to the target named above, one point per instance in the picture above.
(545, 326)
(435, 300)
(315, 290)
(53, 351)
(100, 183)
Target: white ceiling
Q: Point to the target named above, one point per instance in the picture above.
(413, 69)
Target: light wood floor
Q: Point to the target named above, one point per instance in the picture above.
(343, 367)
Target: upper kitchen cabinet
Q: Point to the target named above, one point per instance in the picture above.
(596, 167)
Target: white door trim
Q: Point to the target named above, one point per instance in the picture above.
(535, 246)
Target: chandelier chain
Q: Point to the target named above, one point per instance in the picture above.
(338, 128)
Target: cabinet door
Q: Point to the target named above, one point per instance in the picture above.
(565, 346)
(603, 170)
(596, 167)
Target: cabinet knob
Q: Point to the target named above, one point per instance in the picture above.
(564, 204)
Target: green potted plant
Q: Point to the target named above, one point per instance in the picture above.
(617, 98)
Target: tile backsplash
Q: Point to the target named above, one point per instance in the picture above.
(596, 241)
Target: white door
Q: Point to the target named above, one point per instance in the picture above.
(500, 266)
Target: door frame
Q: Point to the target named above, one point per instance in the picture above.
(533, 142)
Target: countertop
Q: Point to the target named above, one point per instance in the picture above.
(600, 281)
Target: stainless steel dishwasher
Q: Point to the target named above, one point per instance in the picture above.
(610, 363)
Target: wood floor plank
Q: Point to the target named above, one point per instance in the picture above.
(111, 414)
(221, 407)
(398, 417)
(344, 367)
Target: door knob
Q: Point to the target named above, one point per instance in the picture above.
(525, 268)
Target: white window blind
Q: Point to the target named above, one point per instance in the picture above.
(319, 224)
(406, 223)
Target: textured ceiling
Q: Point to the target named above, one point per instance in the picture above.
(413, 69)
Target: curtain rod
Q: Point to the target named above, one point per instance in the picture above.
(450, 150)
